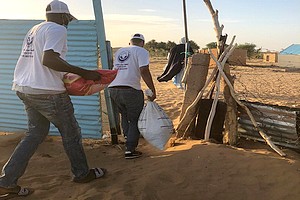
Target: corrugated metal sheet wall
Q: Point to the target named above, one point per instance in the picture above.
(281, 124)
(82, 44)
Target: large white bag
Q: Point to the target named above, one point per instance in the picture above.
(154, 125)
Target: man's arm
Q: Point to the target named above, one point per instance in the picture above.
(146, 75)
(52, 60)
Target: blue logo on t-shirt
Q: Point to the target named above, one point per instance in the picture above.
(124, 55)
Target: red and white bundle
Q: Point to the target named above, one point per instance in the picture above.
(78, 86)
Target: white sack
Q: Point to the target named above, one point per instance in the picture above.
(154, 125)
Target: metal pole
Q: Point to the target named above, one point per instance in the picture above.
(105, 65)
(185, 22)
(101, 33)
(186, 42)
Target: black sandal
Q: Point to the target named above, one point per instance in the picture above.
(8, 193)
(94, 173)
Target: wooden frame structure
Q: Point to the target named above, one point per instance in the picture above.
(190, 113)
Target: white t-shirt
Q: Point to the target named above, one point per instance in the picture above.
(128, 61)
(29, 71)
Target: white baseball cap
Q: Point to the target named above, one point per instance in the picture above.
(57, 6)
(138, 36)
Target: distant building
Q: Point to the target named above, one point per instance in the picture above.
(270, 57)
(238, 57)
(290, 57)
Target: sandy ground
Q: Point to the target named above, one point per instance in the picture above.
(193, 169)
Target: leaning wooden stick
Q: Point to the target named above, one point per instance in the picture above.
(190, 112)
(223, 58)
(264, 136)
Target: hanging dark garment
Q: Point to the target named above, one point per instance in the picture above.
(175, 62)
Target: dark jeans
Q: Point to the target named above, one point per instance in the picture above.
(129, 103)
(41, 110)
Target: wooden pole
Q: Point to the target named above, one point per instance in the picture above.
(231, 124)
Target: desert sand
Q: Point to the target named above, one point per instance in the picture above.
(192, 169)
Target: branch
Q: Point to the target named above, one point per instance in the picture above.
(215, 16)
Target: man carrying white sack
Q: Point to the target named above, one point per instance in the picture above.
(132, 63)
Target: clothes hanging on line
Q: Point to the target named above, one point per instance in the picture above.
(175, 62)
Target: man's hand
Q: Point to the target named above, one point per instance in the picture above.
(146, 75)
(91, 75)
(152, 98)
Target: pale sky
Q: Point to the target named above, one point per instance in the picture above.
(269, 24)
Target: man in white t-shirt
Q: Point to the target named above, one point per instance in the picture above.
(132, 63)
(38, 82)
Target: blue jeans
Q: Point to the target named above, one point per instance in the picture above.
(41, 110)
(129, 102)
